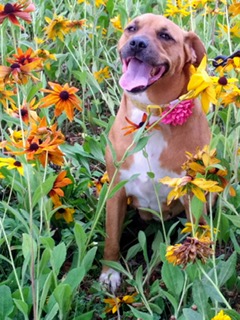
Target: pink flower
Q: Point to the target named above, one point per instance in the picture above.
(180, 114)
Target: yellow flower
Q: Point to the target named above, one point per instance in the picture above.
(5, 96)
(116, 22)
(116, 302)
(201, 230)
(56, 28)
(234, 30)
(234, 8)
(223, 85)
(99, 3)
(221, 316)
(178, 10)
(191, 250)
(201, 84)
(66, 214)
(232, 97)
(102, 74)
(11, 163)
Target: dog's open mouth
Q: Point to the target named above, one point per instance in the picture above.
(138, 75)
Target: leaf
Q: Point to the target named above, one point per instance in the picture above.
(45, 291)
(227, 269)
(200, 297)
(143, 242)
(190, 315)
(171, 299)
(197, 207)
(58, 257)
(142, 142)
(116, 266)
(87, 261)
(80, 237)
(173, 278)
(233, 314)
(140, 314)
(63, 296)
(85, 316)
(121, 184)
(74, 277)
(6, 302)
(133, 251)
(29, 247)
(22, 307)
(43, 189)
(234, 219)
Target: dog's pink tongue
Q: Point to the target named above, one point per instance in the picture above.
(136, 75)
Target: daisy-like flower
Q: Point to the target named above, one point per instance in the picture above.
(20, 9)
(234, 30)
(63, 97)
(23, 58)
(201, 230)
(11, 163)
(179, 114)
(201, 84)
(66, 214)
(116, 22)
(191, 250)
(115, 303)
(232, 97)
(73, 25)
(6, 96)
(102, 74)
(134, 127)
(221, 316)
(26, 111)
(99, 3)
(178, 10)
(100, 181)
(187, 184)
(60, 182)
(223, 85)
(234, 8)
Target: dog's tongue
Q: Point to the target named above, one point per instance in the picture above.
(136, 75)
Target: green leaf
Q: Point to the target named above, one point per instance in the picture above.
(190, 315)
(142, 142)
(171, 299)
(29, 247)
(197, 208)
(45, 290)
(143, 242)
(63, 296)
(133, 251)
(227, 269)
(58, 257)
(43, 189)
(173, 278)
(22, 307)
(80, 237)
(74, 277)
(85, 316)
(6, 302)
(87, 261)
(121, 184)
(116, 266)
(140, 314)
(200, 297)
(233, 314)
(234, 219)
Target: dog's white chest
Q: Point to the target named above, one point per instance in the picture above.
(147, 165)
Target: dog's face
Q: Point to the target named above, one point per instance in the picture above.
(153, 48)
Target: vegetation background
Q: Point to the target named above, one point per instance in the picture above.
(52, 184)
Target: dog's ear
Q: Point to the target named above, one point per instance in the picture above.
(195, 48)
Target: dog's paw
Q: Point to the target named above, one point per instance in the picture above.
(111, 278)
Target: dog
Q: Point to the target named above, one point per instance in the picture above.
(156, 56)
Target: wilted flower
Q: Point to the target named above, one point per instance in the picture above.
(201, 230)
(191, 250)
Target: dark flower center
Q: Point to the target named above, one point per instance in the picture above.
(8, 8)
(17, 164)
(141, 124)
(23, 112)
(64, 95)
(222, 81)
(33, 146)
(15, 66)
(61, 210)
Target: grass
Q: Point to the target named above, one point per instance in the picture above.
(52, 243)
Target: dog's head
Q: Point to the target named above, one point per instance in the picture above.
(153, 48)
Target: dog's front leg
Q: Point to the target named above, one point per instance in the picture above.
(115, 214)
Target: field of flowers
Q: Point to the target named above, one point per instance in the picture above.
(59, 93)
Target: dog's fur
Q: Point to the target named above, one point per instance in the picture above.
(158, 42)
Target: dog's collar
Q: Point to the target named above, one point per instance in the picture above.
(175, 113)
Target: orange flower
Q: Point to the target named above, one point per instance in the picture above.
(26, 112)
(5, 96)
(24, 58)
(60, 182)
(134, 127)
(17, 10)
(63, 98)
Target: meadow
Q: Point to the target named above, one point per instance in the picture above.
(59, 94)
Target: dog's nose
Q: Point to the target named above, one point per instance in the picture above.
(137, 44)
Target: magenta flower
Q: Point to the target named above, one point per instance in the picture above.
(179, 115)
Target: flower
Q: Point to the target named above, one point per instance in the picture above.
(223, 85)
(17, 10)
(116, 302)
(12, 163)
(134, 127)
(234, 8)
(221, 316)
(116, 22)
(191, 250)
(102, 74)
(63, 98)
(61, 181)
(5, 96)
(201, 230)
(178, 10)
(179, 114)
(232, 97)
(98, 3)
(100, 181)
(25, 112)
(65, 213)
(233, 31)
(200, 83)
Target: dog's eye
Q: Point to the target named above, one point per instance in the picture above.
(131, 28)
(164, 36)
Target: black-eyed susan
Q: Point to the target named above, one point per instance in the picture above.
(20, 9)
(115, 303)
(26, 112)
(63, 97)
(11, 163)
(221, 316)
(134, 126)
(58, 27)
(232, 97)
(102, 74)
(60, 182)
(66, 214)
(201, 84)
(191, 250)
(116, 23)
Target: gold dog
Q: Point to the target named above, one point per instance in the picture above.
(156, 55)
